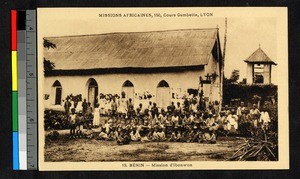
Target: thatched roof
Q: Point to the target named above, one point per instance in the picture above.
(259, 56)
(172, 48)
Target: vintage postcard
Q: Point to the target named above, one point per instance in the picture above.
(163, 88)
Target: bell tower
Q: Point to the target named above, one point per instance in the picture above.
(259, 67)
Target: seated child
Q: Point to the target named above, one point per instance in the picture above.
(102, 135)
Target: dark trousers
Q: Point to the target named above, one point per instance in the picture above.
(72, 129)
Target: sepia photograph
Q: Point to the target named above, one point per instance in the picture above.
(162, 88)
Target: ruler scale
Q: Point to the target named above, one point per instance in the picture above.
(31, 90)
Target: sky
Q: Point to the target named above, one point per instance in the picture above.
(244, 33)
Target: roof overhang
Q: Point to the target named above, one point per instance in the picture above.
(128, 70)
(261, 62)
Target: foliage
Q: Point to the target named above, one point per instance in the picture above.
(48, 44)
(249, 93)
(55, 120)
(257, 149)
(235, 75)
(48, 66)
(75, 98)
(54, 135)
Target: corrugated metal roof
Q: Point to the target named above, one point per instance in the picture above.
(259, 56)
(173, 48)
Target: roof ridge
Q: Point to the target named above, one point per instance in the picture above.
(111, 33)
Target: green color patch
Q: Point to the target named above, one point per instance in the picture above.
(15, 111)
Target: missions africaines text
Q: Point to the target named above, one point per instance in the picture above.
(156, 14)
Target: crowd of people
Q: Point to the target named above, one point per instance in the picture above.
(193, 120)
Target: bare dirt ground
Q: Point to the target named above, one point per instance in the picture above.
(92, 150)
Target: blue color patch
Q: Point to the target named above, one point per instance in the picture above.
(15, 151)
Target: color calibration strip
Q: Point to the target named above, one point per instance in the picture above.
(21, 53)
(24, 98)
(14, 65)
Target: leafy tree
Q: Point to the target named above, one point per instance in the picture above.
(235, 75)
(48, 66)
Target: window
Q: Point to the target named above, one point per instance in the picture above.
(258, 73)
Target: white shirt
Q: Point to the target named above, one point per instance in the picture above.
(107, 125)
(232, 119)
(175, 119)
(264, 117)
(239, 110)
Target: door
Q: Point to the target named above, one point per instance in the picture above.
(92, 88)
(128, 89)
(58, 96)
(56, 93)
(163, 97)
(92, 96)
(163, 94)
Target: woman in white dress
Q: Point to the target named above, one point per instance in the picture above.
(96, 120)
(123, 106)
(79, 106)
(102, 102)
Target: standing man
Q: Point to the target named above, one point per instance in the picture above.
(171, 108)
(240, 109)
(264, 119)
(154, 111)
(72, 123)
(178, 108)
(114, 106)
(84, 106)
(254, 115)
(130, 108)
(67, 106)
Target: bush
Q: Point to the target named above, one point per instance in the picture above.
(246, 92)
(54, 135)
(55, 120)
